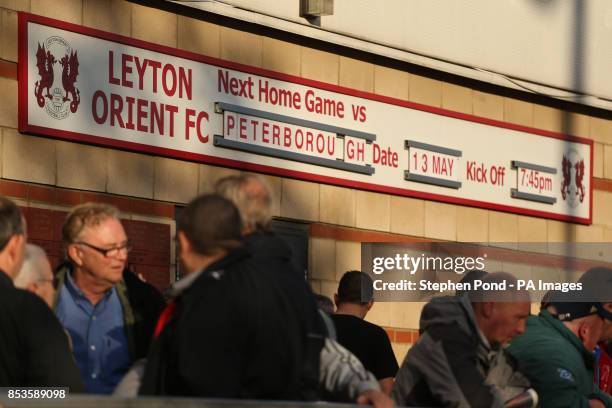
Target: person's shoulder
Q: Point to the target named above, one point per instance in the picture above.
(362, 325)
(538, 333)
(267, 244)
(134, 283)
(139, 292)
(537, 343)
(27, 300)
(375, 329)
(32, 311)
(345, 319)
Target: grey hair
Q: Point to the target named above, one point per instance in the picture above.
(31, 271)
(252, 196)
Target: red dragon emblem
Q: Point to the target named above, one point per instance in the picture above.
(70, 63)
(572, 165)
(49, 95)
(44, 63)
(579, 177)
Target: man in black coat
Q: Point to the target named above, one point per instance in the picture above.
(330, 371)
(33, 347)
(233, 329)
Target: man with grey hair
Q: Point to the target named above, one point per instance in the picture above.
(36, 274)
(459, 359)
(108, 311)
(340, 374)
(252, 195)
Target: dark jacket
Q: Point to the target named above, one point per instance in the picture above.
(329, 371)
(141, 303)
(237, 331)
(558, 365)
(453, 365)
(266, 246)
(33, 346)
(269, 251)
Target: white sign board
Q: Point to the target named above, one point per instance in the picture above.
(86, 85)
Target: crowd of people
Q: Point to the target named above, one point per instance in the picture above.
(243, 323)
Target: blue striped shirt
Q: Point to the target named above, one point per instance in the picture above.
(98, 336)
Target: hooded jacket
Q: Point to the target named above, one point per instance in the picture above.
(452, 364)
(557, 363)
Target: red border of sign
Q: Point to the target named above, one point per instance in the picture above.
(24, 127)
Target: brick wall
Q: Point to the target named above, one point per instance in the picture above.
(149, 225)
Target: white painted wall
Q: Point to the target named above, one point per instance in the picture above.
(531, 40)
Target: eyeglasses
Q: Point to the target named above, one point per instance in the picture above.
(110, 252)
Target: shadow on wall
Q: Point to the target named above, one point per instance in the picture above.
(577, 62)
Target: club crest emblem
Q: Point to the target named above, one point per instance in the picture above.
(58, 69)
(572, 186)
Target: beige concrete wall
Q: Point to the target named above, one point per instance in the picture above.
(59, 163)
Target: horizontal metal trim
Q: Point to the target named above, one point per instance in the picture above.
(532, 197)
(433, 148)
(222, 106)
(219, 141)
(431, 180)
(536, 167)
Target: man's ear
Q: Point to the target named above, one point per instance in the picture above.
(583, 331)
(185, 250)
(487, 308)
(336, 300)
(369, 305)
(15, 249)
(75, 254)
(184, 244)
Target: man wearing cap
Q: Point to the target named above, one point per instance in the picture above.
(556, 352)
(599, 282)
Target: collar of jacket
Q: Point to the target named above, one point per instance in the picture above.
(471, 315)
(216, 269)
(128, 313)
(566, 333)
(183, 284)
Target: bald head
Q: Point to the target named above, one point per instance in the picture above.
(36, 275)
(500, 308)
